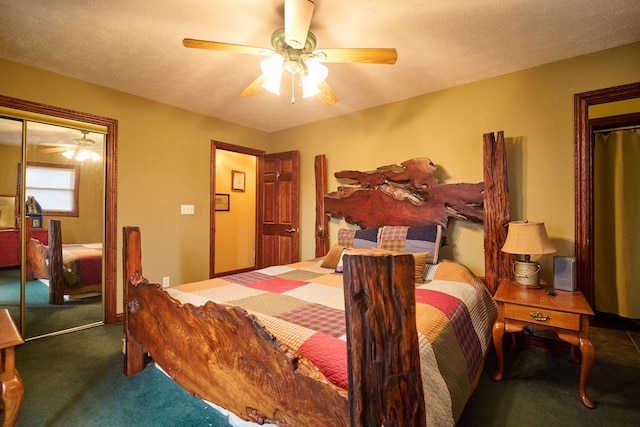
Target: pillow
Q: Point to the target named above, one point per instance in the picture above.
(340, 266)
(333, 257)
(419, 259)
(357, 251)
(412, 239)
(352, 238)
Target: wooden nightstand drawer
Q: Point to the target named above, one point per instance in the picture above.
(543, 316)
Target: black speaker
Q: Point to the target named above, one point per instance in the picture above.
(564, 273)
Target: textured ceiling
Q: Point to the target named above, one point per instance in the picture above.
(136, 47)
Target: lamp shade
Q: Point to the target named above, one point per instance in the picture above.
(527, 238)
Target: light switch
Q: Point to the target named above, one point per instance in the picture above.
(186, 209)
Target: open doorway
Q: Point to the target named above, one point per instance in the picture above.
(276, 223)
(235, 212)
(234, 201)
(584, 188)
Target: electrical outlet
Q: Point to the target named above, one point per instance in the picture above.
(187, 210)
(165, 282)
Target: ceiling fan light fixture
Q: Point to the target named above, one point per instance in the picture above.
(297, 17)
(273, 85)
(83, 155)
(309, 87)
(69, 154)
(315, 70)
(272, 68)
(296, 44)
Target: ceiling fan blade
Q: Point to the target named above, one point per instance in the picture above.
(362, 55)
(53, 144)
(255, 86)
(55, 149)
(226, 47)
(327, 96)
(297, 19)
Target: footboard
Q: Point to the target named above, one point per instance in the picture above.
(222, 354)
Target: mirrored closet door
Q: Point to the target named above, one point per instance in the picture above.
(52, 217)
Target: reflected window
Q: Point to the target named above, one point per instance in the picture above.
(55, 187)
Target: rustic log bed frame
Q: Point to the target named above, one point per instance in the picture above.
(38, 268)
(199, 347)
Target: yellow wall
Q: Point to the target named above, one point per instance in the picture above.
(534, 107)
(235, 229)
(614, 108)
(11, 155)
(163, 151)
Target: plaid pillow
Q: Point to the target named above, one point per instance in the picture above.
(361, 239)
(412, 239)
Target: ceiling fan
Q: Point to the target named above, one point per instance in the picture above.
(294, 51)
(80, 149)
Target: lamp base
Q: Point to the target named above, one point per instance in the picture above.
(526, 274)
(520, 285)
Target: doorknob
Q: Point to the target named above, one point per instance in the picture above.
(290, 230)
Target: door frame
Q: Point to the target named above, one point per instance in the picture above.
(259, 154)
(583, 151)
(111, 171)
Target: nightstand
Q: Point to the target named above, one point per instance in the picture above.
(567, 313)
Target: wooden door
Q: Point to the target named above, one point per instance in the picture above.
(278, 235)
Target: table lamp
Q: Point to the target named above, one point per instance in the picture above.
(526, 238)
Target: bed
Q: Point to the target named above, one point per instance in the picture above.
(389, 350)
(72, 269)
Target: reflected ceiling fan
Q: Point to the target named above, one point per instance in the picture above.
(80, 149)
(294, 51)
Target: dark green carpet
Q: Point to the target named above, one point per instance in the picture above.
(76, 380)
(42, 317)
(540, 387)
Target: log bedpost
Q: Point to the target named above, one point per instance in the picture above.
(385, 382)
(56, 278)
(497, 264)
(132, 267)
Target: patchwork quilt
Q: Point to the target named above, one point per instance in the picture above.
(302, 304)
(82, 264)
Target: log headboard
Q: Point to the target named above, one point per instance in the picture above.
(409, 195)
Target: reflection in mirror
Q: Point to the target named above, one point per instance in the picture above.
(61, 188)
(64, 182)
(10, 254)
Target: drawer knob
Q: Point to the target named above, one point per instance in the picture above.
(539, 317)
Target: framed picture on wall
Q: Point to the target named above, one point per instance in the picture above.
(222, 202)
(237, 181)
